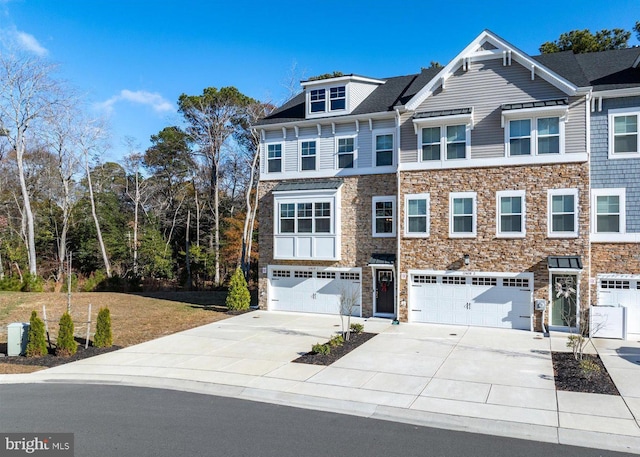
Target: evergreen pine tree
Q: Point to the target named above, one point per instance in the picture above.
(103, 337)
(238, 297)
(37, 343)
(66, 344)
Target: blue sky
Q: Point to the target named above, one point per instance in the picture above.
(134, 58)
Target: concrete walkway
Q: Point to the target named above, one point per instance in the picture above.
(482, 380)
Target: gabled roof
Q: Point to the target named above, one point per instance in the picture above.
(607, 70)
(489, 45)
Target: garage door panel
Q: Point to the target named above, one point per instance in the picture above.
(624, 291)
(303, 289)
(471, 300)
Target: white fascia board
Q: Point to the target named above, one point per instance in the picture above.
(613, 93)
(469, 52)
(339, 79)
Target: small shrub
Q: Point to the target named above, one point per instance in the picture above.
(93, 281)
(336, 341)
(32, 283)
(357, 328)
(323, 349)
(11, 284)
(37, 343)
(238, 297)
(103, 337)
(589, 367)
(66, 344)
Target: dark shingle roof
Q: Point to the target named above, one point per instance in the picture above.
(287, 186)
(603, 70)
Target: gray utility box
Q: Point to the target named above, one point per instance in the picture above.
(17, 337)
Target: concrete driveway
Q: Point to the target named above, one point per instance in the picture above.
(464, 378)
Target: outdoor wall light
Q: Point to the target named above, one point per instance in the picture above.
(466, 258)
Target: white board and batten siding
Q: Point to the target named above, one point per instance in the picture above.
(484, 299)
(309, 289)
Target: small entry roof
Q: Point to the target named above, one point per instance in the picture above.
(382, 259)
(564, 262)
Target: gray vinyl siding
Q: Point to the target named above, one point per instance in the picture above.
(326, 150)
(383, 124)
(364, 146)
(616, 173)
(408, 139)
(575, 133)
(290, 154)
(485, 87)
(358, 92)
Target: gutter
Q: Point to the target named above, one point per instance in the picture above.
(398, 220)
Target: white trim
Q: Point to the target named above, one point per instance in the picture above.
(534, 136)
(354, 152)
(471, 52)
(380, 132)
(266, 153)
(342, 119)
(316, 155)
(613, 113)
(564, 272)
(495, 161)
(442, 125)
(554, 192)
(423, 196)
(615, 93)
(341, 79)
(394, 214)
(523, 216)
(561, 111)
(474, 214)
(615, 237)
(614, 192)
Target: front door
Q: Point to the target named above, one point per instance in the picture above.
(564, 290)
(385, 292)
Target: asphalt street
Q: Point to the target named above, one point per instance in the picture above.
(130, 421)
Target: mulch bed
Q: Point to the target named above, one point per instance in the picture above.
(51, 360)
(355, 340)
(570, 377)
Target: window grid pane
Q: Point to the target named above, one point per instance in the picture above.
(431, 143)
(608, 214)
(463, 215)
(384, 150)
(549, 135)
(511, 214)
(456, 141)
(625, 134)
(563, 213)
(384, 217)
(417, 216)
(520, 137)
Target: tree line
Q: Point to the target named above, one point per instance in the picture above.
(181, 213)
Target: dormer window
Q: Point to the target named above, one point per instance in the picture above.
(318, 100)
(338, 98)
(335, 96)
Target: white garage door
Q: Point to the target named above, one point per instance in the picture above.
(313, 290)
(615, 290)
(486, 300)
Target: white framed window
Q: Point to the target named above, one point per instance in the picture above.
(274, 157)
(608, 211)
(305, 217)
(535, 136)
(307, 155)
(624, 138)
(317, 101)
(444, 142)
(562, 207)
(345, 148)
(417, 211)
(384, 147)
(337, 98)
(463, 214)
(384, 216)
(510, 214)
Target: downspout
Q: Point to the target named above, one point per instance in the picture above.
(398, 219)
(588, 144)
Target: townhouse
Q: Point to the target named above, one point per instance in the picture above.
(470, 194)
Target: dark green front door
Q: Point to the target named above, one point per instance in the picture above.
(564, 289)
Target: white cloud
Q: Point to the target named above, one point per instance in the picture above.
(141, 97)
(29, 43)
(12, 38)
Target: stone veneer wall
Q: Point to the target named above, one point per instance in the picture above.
(487, 252)
(357, 243)
(617, 258)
